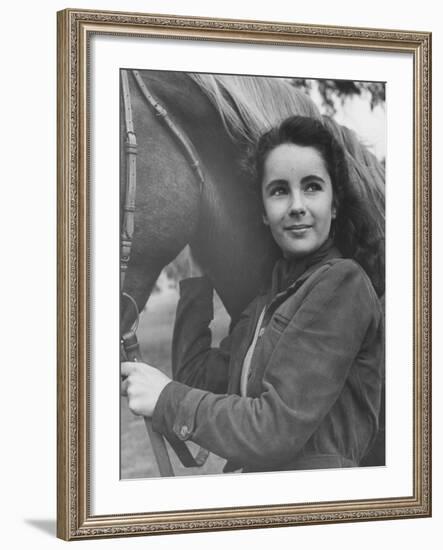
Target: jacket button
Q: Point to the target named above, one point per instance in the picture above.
(184, 431)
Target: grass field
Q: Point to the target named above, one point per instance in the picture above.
(155, 334)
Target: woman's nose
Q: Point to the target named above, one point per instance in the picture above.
(297, 205)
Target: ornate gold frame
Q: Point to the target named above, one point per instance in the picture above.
(73, 515)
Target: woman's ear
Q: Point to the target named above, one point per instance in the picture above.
(265, 219)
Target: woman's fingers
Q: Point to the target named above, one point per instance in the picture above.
(124, 386)
(142, 384)
(126, 368)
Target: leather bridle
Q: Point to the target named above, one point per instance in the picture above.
(182, 140)
(129, 345)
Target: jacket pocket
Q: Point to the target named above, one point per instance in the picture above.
(279, 322)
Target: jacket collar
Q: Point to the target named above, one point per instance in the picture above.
(288, 275)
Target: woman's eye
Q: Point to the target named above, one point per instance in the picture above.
(278, 190)
(313, 186)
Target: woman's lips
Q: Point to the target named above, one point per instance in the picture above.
(298, 229)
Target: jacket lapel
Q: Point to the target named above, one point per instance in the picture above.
(271, 304)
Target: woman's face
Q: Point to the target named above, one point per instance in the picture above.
(298, 198)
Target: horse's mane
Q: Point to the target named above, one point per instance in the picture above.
(250, 105)
(364, 168)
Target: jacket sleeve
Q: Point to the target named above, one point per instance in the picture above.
(303, 378)
(194, 361)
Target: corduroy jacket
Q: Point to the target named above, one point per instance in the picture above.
(315, 379)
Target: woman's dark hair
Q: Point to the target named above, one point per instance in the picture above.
(357, 230)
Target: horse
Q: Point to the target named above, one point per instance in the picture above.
(221, 219)
(184, 141)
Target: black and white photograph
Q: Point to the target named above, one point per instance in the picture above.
(221, 285)
(252, 273)
(244, 247)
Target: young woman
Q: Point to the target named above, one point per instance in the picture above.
(297, 383)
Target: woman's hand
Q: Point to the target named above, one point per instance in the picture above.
(142, 384)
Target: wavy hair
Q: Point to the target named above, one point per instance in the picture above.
(251, 105)
(359, 226)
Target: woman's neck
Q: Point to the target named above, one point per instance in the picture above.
(288, 270)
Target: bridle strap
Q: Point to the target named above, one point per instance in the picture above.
(131, 349)
(131, 167)
(184, 143)
(182, 139)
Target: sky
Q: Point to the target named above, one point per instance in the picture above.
(356, 113)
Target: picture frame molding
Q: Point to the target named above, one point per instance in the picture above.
(75, 29)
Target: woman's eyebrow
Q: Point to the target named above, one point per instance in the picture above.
(278, 181)
(311, 177)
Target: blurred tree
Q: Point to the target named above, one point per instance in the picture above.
(333, 90)
(177, 270)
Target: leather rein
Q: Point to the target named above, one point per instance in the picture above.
(129, 345)
(182, 140)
